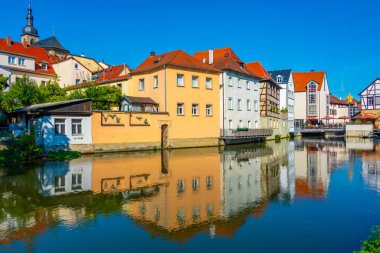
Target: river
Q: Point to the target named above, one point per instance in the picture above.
(306, 195)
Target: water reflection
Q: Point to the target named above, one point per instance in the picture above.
(176, 194)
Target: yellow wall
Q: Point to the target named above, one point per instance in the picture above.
(186, 126)
(125, 127)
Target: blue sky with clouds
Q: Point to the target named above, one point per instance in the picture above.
(340, 37)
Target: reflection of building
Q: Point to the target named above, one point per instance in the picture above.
(58, 178)
(371, 169)
(312, 170)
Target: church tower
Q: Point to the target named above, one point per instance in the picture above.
(29, 32)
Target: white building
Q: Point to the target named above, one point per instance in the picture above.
(285, 79)
(339, 111)
(239, 89)
(70, 72)
(57, 125)
(19, 59)
(311, 96)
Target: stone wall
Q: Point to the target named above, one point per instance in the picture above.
(358, 130)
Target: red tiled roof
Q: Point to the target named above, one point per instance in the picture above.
(259, 70)
(99, 81)
(302, 79)
(225, 58)
(112, 72)
(337, 101)
(176, 58)
(38, 53)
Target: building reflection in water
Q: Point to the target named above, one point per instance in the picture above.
(176, 194)
(371, 168)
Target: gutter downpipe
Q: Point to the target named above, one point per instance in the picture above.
(223, 75)
(165, 88)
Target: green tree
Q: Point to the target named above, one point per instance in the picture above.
(52, 92)
(3, 83)
(103, 97)
(23, 92)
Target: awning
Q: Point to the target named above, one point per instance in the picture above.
(311, 118)
(344, 117)
(327, 118)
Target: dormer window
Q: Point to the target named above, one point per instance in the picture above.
(44, 66)
(280, 79)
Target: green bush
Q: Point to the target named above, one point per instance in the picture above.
(291, 136)
(63, 155)
(277, 138)
(372, 244)
(21, 149)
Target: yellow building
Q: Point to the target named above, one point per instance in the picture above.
(185, 88)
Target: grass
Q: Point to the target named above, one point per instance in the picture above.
(63, 155)
(372, 244)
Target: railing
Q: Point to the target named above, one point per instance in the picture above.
(262, 132)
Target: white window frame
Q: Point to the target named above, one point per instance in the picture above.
(209, 110)
(77, 126)
(249, 105)
(248, 83)
(208, 83)
(21, 61)
(230, 81)
(240, 106)
(155, 81)
(60, 127)
(12, 60)
(195, 81)
(230, 103)
(256, 105)
(141, 84)
(180, 80)
(195, 109)
(180, 109)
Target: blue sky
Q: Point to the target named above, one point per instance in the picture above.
(340, 37)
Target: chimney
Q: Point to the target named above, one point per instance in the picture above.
(152, 53)
(312, 70)
(210, 56)
(82, 55)
(25, 43)
(8, 41)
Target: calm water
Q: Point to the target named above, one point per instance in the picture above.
(301, 196)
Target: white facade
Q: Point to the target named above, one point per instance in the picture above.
(71, 72)
(240, 101)
(47, 135)
(23, 65)
(302, 106)
(370, 96)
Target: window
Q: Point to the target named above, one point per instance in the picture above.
(60, 126)
(239, 83)
(120, 87)
(280, 79)
(11, 60)
(208, 83)
(77, 81)
(76, 182)
(249, 105)
(59, 183)
(230, 124)
(181, 185)
(240, 123)
(370, 101)
(155, 82)
(180, 82)
(194, 110)
(194, 82)
(21, 61)
(76, 66)
(230, 83)
(312, 87)
(195, 184)
(256, 105)
(208, 110)
(43, 66)
(312, 98)
(141, 84)
(180, 109)
(43, 83)
(230, 104)
(256, 124)
(256, 85)
(312, 109)
(248, 85)
(249, 124)
(239, 105)
(76, 126)
(209, 182)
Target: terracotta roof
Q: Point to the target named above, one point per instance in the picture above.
(99, 81)
(112, 72)
(176, 58)
(302, 79)
(258, 70)
(38, 53)
(225, 59)
(337, 101)
(140, 100)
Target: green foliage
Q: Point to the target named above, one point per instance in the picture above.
(23, 92)
(63, 155)
(22, 149)
(3, 83)
(277, 138)
(284, 110)
(291, 136)
(52, 92)
(372, 244)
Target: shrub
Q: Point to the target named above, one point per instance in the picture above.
(277, 138)
(372, 244)
(21, 149)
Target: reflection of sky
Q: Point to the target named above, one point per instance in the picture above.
(340, 220)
